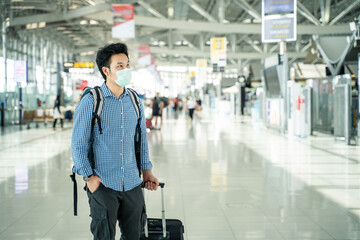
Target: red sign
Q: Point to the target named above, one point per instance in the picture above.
(81, 85)
(122, 13)
(123, 21)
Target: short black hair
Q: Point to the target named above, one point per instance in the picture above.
(104, 54)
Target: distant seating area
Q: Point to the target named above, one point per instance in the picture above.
(39, 116)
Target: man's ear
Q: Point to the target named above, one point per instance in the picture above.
(105, 71)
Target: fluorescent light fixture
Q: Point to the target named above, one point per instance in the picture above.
(83, 22)
(162, 43)
(94, 22)
(61, 28)
(90, 2)
(73, 6)
(67, 32)
(87, 53)
(22, 7)
(352, 26)
(42, 24)
(171, 12)
(178, 43)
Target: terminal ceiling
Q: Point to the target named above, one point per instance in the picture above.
(180, 36)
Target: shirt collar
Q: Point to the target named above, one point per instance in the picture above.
(107, 93)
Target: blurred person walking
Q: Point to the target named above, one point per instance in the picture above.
(191, 104)
(57, 113)
(157, 109)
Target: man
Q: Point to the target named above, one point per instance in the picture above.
(112, 179)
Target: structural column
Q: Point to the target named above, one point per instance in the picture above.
(4, 55)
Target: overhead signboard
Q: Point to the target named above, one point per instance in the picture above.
(279, 7)
(79, 65)
(123, 21)
(279, 21)
(20, 71)
(218, 53)
(279, 29)
(201, 63)
(144, 58)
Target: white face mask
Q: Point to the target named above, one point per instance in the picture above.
(123, 77)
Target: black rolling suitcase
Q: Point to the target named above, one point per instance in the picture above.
(161, 229)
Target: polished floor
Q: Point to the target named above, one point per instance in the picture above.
(226, 178)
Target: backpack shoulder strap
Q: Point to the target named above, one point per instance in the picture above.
(98, 105)
(135, 100)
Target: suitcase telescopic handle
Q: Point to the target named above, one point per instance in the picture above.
(162, 185)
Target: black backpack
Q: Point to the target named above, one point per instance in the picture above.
(98, 105)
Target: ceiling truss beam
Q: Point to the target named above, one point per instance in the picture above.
(200, 10)
(248, 8)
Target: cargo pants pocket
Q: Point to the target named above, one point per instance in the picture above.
(99, 219)
(99, 225)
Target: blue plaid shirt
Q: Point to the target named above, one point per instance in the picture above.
(114, 151)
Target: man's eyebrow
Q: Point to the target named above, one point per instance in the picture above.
(122, 62)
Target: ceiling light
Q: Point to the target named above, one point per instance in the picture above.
(83, 22)
(94, 22)
(42, 24)
(61, 28)
(171, 12)
(90, 2)
(178, 43)
(67, 32)
(22, 7)
(73, 6)
(162, 43)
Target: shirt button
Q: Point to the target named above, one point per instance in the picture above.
(121, 140)
(121, 113)
(121, 126)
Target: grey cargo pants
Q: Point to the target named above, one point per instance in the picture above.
(108, 206)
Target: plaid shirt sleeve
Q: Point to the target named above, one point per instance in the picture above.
(80, 141)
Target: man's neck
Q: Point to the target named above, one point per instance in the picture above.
(115, 88)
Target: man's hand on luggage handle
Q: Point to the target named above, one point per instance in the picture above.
(151, 182)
